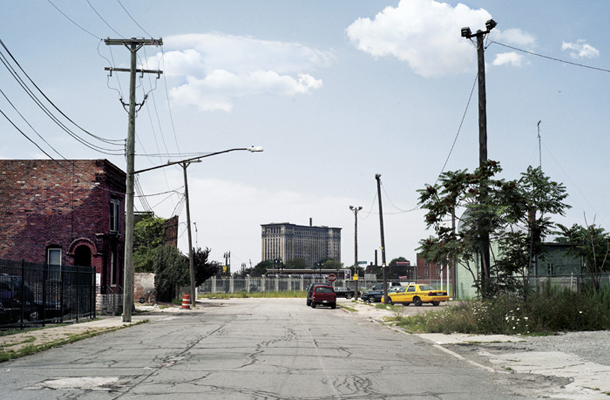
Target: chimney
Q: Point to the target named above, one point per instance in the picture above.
(310, 221)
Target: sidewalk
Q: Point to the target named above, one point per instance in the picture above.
(566, 356)
(58, 335)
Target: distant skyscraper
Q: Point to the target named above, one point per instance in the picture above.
(286, 242)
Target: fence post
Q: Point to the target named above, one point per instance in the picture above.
(214, 284)
(231, 284)
(277, 283)
(263, 283)
(301, 283)
(21, 288)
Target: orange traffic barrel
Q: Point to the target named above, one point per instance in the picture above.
(186, 301)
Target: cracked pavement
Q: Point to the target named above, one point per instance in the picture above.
(275, 349)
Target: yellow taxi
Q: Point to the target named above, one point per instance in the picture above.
(418, 295)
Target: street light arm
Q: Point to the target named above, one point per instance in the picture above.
(253, 149)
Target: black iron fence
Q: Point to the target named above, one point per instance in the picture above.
(31, 294)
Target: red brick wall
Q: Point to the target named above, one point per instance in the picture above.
(63, 204)
(422, 265)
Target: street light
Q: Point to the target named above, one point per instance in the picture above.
(355, 210)
(480, 35)
(185, 164)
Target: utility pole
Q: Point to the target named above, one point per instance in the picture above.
(539, 145)
(133, 45)
(355, 210)
(184, 166)
(385, 278)
(480, 35)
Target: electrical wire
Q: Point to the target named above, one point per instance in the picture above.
(136, 22)
(457, 134)
(551, 58)
(71, 172)
(71, 20)
(102, 18)
(38, 102)
(101, 139)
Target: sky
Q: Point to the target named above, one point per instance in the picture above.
(334, 91)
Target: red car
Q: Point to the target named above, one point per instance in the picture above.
(323, 295)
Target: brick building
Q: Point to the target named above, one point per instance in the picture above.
(67, 212)
(427, 272)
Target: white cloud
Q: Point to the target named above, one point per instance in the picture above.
(580, 49)
(510, 58)
(424, 33)
(209, 70)
(514, 36)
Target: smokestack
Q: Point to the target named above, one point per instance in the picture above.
(310, 221)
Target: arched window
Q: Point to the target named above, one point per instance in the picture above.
(82, 256)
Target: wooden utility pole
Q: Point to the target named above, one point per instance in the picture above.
(133, 45)
(383, 266)
(483, 224)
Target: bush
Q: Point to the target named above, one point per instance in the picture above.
(546, 311)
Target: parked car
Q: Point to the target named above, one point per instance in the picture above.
(418, 295)
(323, 295)
(17, 300)
(379, 286)
(310, 290)
(346, 292)
(374, 296)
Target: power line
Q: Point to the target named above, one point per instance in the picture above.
(71, 20)
(136, 22)
(551, 58)
(457, 134)
(13, 72)
(102, 18)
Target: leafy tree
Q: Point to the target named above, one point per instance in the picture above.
(397, 270)
(259, 269)
(332, 264)
(147, 236)
(204, 269)
(296, 263)
(592, 245)
(172, 269)
(514, 214)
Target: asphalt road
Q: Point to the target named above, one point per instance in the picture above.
(255, 349)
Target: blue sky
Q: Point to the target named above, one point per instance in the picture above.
(335, 92)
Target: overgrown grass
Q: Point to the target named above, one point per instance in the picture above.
(245, 295)
(547, 311)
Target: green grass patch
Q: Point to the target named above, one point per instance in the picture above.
(347, 308)
(547, 311)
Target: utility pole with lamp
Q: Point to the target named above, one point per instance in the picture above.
(355, 210)
(480, 35)
(133, 45)
(184, 164)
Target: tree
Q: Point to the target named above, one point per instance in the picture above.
(396, 270)
(204, 269)
(260, 269)
(332, 264)
(147, 236)
(296, 263)
(172, 269)
(592, 245)
(514, 214)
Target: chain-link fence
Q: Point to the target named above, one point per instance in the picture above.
(283, 283)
